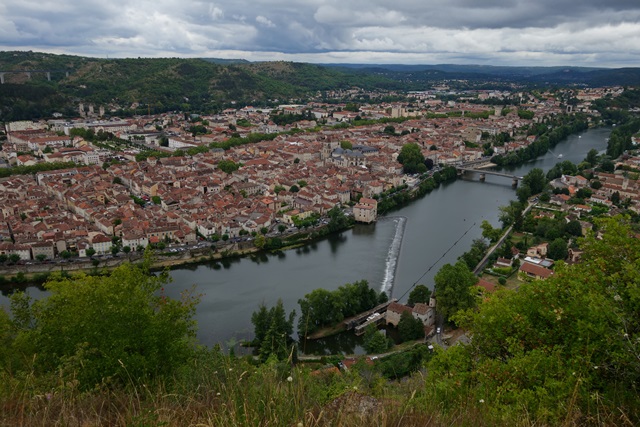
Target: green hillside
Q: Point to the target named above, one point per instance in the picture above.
(114, 350)
(160, 84)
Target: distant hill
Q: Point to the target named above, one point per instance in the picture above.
(539, 76)
(162, 84)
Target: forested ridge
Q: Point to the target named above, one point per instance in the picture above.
(140, 85)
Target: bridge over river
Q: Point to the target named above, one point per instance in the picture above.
(477, 167)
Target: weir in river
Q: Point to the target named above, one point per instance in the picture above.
(391, 263)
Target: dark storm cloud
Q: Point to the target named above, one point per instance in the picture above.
(496, 31)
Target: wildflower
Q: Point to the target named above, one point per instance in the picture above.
(230, 369)
(595, 367)
(218, 394)
(48, 396)
(289, 378)
(300, 425)
(355, 387)
(481, 400)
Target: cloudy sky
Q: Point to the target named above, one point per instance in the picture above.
(493, 32)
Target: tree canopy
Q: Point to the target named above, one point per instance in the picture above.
(273, 331)
(411, 157)
(419, 294)
(566, 339)
(90, 328)
(453, 289)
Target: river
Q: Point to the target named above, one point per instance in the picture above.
(404, 248)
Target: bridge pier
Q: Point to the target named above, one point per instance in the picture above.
(48, 76)
(483, 176)
(514, 184)
(28, 73)
(2, 78)
(66, 73)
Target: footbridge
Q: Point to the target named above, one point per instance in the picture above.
(478, 164)
(373, 316)
(29, 72)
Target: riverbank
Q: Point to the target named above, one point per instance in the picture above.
(37, 272)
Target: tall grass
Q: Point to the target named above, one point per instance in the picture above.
(218, 390)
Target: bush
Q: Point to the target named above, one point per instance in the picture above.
(117, 328)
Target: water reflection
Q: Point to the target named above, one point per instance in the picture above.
(344, 343)
(8, 290)
(364, 229)
(259, 258)
(336, 241)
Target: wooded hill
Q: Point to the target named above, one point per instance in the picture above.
(206, 85)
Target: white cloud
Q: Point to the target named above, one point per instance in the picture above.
(264, 21)
(588, 32)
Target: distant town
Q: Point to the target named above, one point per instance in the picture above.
(166, 180)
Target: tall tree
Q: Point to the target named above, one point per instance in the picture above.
(375, 341)
(453, 289)
(419, 294)
(277, 339)
(411, 157)
(318, 308)
(535, 180)
(409, 327)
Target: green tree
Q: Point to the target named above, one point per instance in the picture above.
(119, 328)
(511, 214)
(13, 258)
(592, 157)
(90, 252)
(264, 230)
(535, 180)
(318, 308)
(453, 289)
(228, 166)
(156, 200)
(558, 250)
(488, 232)
(273, 331)
(420, 293)
(573, 228)
(346, 145)
(409, 327)
(474, 255)
(337, 219)
(411, 157)
(608, 166)
(65, 254)
(374, 341)
(41, 257)
(577, 327)
(282, 228)
(294, 188)
(523, 193)
(3, 258)
(615, 198)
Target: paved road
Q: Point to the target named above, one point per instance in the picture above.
(484, 260)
